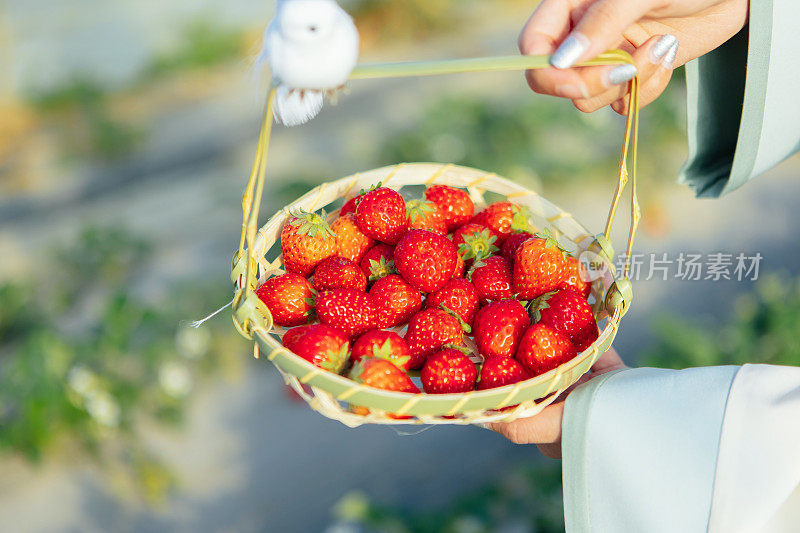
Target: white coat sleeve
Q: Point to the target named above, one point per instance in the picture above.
(708, 449)
(639, 449)
(757, 485)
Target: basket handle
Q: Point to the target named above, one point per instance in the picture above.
(619, 294)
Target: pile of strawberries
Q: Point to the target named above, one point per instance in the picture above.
(442, 271)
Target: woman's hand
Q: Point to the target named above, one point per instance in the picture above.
(650, 30)
(544, 429)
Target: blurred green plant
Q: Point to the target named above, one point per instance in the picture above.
(84, 360)
(763, 329)
(203, 43)
(529, 499)
(89, 126)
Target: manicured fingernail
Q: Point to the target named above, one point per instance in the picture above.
(669, 58)
(661, 48)
(571, 91)
(620, 74)
(570, 50)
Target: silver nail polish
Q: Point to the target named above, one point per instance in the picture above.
(669, 58)
(570, 51)
(661, 48)
(620, 74)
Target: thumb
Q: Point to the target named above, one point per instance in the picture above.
(599, 29)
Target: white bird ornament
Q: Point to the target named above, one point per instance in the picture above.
(311, 47)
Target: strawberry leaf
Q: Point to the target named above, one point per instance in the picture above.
(380, 269)
(521, 220)
(537, 305)
(461, 349)
(335, 360)
(478, 245)
(550, 241)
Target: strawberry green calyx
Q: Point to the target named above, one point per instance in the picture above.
(521, 222)
(312, 224)
(550, 241)
(419, 209)
(357, 371)
(478, 245)
(464, 326)
(371, 188)
(312, 302)
(381, 269)
(479, 262)
(385, 352)
(335, 361)
(537, 304)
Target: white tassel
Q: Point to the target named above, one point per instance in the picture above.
(295, 107)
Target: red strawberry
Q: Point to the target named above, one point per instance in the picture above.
(350, 205)
(382, 374)
(542, 348)
(499, 327)
(567, 312)
(381, 215)
(394, 301)
(539, 267)
(339, 273)
(426, 260)
(350, 242)
(385, 344)
(458, 272)
(455, 204)
(306, 239)
(378, 262)
(503, 218)
(289, 298)
(319, 344)
(492, 278)
(574, 280)
(475, 240)
(428, 331)
(499, 371)
(448, 371)
(459, 296)
(425, 215)
(512, 243)
(347, 310)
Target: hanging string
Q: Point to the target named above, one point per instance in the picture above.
(197, 323)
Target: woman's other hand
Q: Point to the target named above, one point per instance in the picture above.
(544, 429)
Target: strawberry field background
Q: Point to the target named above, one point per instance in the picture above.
(121, 172)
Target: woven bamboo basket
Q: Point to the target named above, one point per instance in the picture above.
(334, 395)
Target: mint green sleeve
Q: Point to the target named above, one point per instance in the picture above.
(743, 112)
